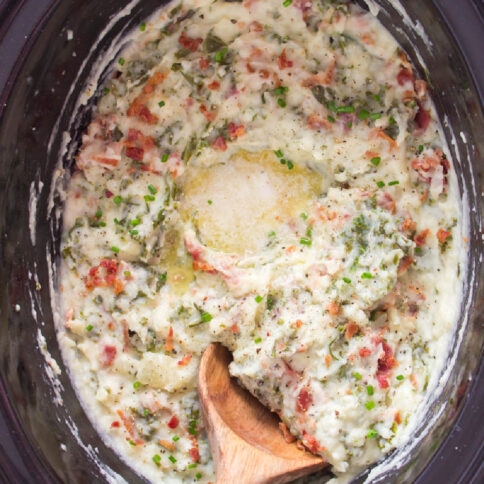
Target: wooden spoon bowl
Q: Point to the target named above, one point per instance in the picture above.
(245, 440)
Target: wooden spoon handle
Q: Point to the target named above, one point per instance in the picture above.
(246, 443)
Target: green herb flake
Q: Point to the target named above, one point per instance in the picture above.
(161, 104)
(370, 390)
(136, 385)
(357, 375)
(164, 157)
(198, 475)
(134, 232)
(400, 377)
(156, 459)
(331, 119)
(135, 222)
(206, 317)
(209, 202)
(117, 199)
(258, 299)
(375, 160)
(305, 241)
(363, 114)
(281, 102)
(304, 215)
(175, 438)
(115, 249)
(152, 189)
(142, 27)
(366, 275)
(191, 466)
(89, 327)
(345, 109)
(121, 61)
(257, 340)
(394, 182)
(286, 3)
(278, 153)
(348, 281)
(380, 184)
(370, 405)
(290, 164)
(172, 459)
(220, 55)
(375, 116)
(149, 198)
(132, 443)
(372, 433)
(98, 213)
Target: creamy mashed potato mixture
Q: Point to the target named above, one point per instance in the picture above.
(270, 175)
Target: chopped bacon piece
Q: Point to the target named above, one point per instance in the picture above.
(130, 426)
(188, 42)
(204, 63)
(333, 308)
(185, 360)
(310, 442)
(173, 422)
(386, 202)
(214, 86)
(283, 62)
(107, 356)
(167, 445)
(256, 26)
(288, 437)
(153, 81)
(209, 115)
(106, 161)
(422, 118)
(304, 400)
(408, 224)
(421, 237)
(405, 75)
(317, 122)
(147, 116)
(421, 89)
(235, 131)
(220, 144)
(204, 267)
(404, 265)
(385, 364)
(442, 235)
(135, 153)
(398, 418)
(115, 424)
(351, 329)
(194, 454)
(365, 352)
(234, 328)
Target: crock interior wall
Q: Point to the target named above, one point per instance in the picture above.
(47, 71)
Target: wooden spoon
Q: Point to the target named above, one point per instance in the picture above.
(245, 440)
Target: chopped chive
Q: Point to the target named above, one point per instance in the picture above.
(206, 317)
(375, 160)
(350, 124)
(106, 90)
(363, 114)
(172, 459)
(98, 213)
(370, 405)
(115, 249)
(281, 90)
(102, 224)
(161, 104)
(304, 215)
(278, 153)
(258, 299)
(290, 164)
(132, 443)
(392, 120)
(286, 3)
(146, 412)
(152, 189)
(192, 466)
(366, 275)
(283, 161)
(375, 116)
(309, 232)
(271, 234)
(89, 327)
(164, 157)
(348, 281)
(198, 475)
(418, 250)
(219, 56)
(258, 340)
(380, 184)
(376, 97)
(394, 182)
(281, 102)
(209, 202)
(331, 119)
(127, 273)
(136, 385)
(370, 390)
(357, 375)
(332, 106)
(345, 109)
(135, 222)
(134, 232)
(156, 459)
(175, 438)
(121, 61)
(149, 198)
(400, 377)
(142, 27)
(305, 241)
(420, 148)
(117, 199)
(372, 434)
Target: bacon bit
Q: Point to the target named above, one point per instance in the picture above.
(398, 419)
(214, 86)
(408, 225)
(209, 115)
(130, 427)
(194, 454)
(185, 360)
(379, 133)
(368, 39)
(108, 194)
(317, 122)
(167, 445)
(106, 161)
(328, 359)
(107, 356)
(220, 144)
(153, 81)
(288, 437)
(310, 442)
(289, 371)
(421, 237)
(249, 68)
(138, 109)
(351, 329)
(405, 75)
(168, 346)
(385, 364)
(147, 116)
(118, 286)
(413, 380)
(404, 265)
(364, 352)
(111, 325)
(115, 424)
(322, 78)
(235, 131)
(173, 422)
(283, 62)
(203, 63)
(422, 118)
(256, 26)
(291, 249)
(387, 203)
(188, 42)
(304, 400)
(297, 324)
(203, 266)
(421, 89)
(333, 308)
(442, 235)
(371, 154)
(234, 328)
(135, 153)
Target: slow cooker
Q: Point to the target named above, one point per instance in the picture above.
(48, 50)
